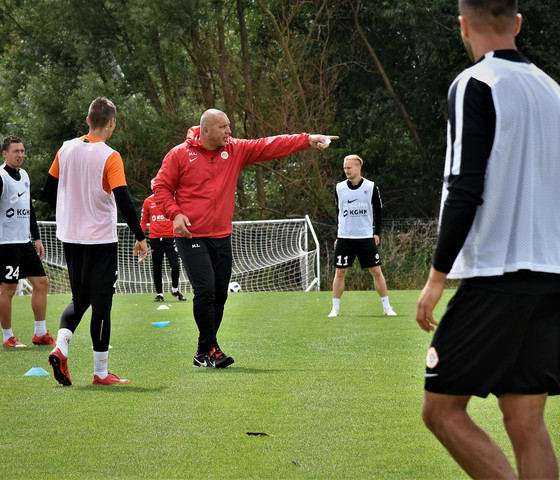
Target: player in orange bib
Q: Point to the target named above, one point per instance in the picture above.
(86, 184)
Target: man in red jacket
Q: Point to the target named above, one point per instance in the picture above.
(195, 187)
(162, 242)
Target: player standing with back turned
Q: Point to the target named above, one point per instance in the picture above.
(85, 185)
(500, 233)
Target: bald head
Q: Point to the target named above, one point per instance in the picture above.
(210, 116)
(214, 129)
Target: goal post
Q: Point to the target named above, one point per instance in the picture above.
(275, 255)
(268, 256)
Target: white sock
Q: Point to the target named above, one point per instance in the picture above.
(174, 290)
(336, 304)
(40, 327)
(386, 303)
(7, 332)
(63, 340)
(100, 363)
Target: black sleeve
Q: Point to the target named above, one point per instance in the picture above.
(33, 223)
(50, 190)
(468, 169)
(1, 185)
(377, 210)
(336, 204)
(126, 207)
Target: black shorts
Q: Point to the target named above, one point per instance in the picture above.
(92, 269)
(495, 342)
(348, 248)
(19, 260)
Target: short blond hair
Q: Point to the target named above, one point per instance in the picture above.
(354, 157)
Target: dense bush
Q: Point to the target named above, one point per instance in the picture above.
(406, 251)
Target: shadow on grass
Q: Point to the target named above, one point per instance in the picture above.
(126, 388)
(238, 369)
(381, 316)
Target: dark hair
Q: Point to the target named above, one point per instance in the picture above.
(9, 140)
(494, 8)
(100, 112)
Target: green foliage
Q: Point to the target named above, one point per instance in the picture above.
(407, 253)
(306, 69)
(406, 249)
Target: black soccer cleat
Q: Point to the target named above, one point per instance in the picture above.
(159, 298)
(201, 360)
(179, 296)
(219, 359)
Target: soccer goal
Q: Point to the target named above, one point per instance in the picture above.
(268, 256)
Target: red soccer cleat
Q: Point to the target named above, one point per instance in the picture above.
(60, 367)
(110, 379)
(45, 339)
(13, 342)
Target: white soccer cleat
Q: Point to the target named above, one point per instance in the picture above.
(334, 313)
(389, 312)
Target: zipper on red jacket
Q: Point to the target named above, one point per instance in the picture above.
(213, 213)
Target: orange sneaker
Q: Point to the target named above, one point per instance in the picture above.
(60, 367)
(13, 342)
(45, 339)
(110, 379)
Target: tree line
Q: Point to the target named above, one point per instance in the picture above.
(374, 72)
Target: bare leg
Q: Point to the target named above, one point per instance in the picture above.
(338, 282)
(477, 454)
(7, 292)
(379, 281)
(39, 297)
(524, 422)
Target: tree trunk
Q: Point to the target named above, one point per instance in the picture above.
(250, 109)
(402, 110)
(169, 103)
(196, 52)
(282, 40)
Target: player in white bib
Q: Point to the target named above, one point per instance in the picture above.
(499, 232)
(359, 218)
(18, 258)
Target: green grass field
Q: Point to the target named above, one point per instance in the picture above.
(339, 398)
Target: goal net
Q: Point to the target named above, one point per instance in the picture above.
(268, 256)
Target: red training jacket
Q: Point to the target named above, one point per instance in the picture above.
(201, 184)
(160, 226)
